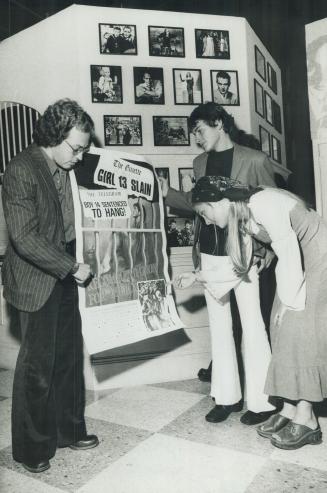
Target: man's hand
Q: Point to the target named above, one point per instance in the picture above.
(264, 263)
(83, 273)
(164, 186)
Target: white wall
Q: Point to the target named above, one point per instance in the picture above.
(39, 64)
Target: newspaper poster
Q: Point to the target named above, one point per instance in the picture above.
(120, 233)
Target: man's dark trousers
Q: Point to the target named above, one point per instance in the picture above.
(48, 392)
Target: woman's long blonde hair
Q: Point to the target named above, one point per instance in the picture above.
(239, 241)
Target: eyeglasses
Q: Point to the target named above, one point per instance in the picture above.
(77, 150)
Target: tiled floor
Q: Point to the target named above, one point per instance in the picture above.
(154, 439)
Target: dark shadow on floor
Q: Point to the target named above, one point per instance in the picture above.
(115, 361)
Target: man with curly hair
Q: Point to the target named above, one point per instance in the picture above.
(40, 274)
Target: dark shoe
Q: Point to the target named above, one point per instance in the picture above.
(274, 424)
(38, 467)
(89, 441)
(221, 413)
(204, 374)
(294, 436)
(251, 418)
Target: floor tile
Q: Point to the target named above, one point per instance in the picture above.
(5, 420)
(100, 394)
(145, 407)
(71, 469)
(163, 464)
(231, 434)
(6, 381)
(309, 455)
(92, 396)
(193, 385)
(282, 477)
(13, 482)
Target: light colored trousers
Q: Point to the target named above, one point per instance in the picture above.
(225, 381)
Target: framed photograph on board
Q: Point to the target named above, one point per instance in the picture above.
(106, 84)
(163, 173)
(259, 99)
(118, 39)
(269, 108)
(264, 140)
(272, 78)
(260, 63)
(186, 179)
(166, 41)
(224, 87)
(277, 118)
(179, 231)
(122, 130)
(187, 86)
(276, 150)
(171, 131)
(149, 85)
(211, 43)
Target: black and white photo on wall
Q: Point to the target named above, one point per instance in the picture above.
(224, 87)
(118, 39)
(166, 41)
(272, 78)
(260, 63)
(106, 84)
(179, 231)
(269, 109)
(187, 86)
(259, 102)
(212, 43)
(186, 179)
(264, 136)
(163, 173)
(277, 118)
(276, 149)
(122, 130)
(171, 131)
(149, 85)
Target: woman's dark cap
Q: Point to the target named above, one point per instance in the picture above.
(215, 188)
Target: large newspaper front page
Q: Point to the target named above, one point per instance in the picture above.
(120, 232)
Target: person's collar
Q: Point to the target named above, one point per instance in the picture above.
(50, 162)
(230, 149)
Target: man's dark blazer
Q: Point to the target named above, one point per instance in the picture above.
(35, 257)
(249, 166)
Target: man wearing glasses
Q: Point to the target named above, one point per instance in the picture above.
(40, 274)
